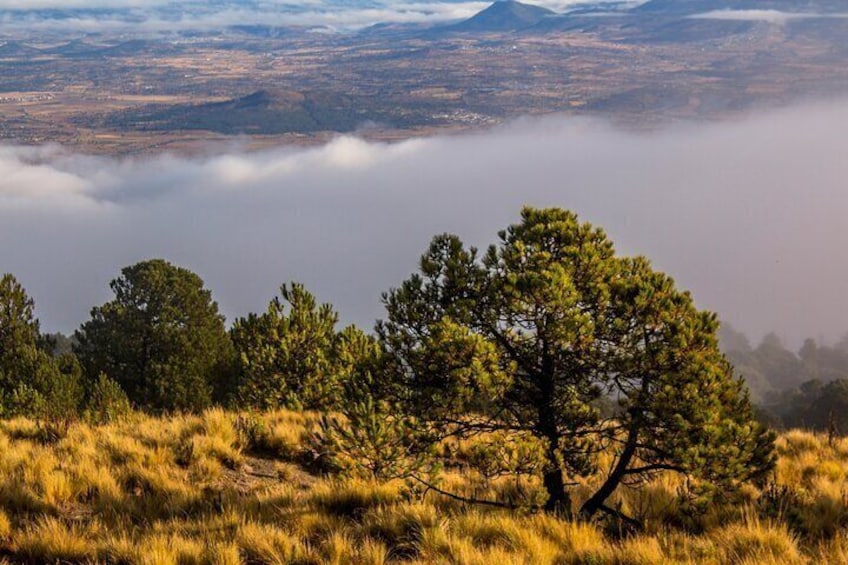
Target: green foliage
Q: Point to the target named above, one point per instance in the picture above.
(819, 406)
(449, 370)
(57, 344)
(681, 406)
(21, 361)
(64, 394)
(507, 455)
(292, 355)
(532, 336)
(370, 437)
(107, 401)
(253, 433)
(32, 383)
(18, 324)
(161, 338)
(23, 400)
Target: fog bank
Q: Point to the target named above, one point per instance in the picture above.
(769, 16)
(750, 215)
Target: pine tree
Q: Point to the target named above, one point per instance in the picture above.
(161, 338)
(292, 355)
(32, 383)
(370, 437)
(548, 324)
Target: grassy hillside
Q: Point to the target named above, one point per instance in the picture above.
(220, 488)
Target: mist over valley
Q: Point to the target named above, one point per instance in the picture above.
(745, 216)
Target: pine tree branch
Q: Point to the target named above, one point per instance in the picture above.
(467, 500)
(655, 467)
(633, 522)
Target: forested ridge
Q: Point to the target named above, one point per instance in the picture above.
(803, 389)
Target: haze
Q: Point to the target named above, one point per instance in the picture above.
(748, 215)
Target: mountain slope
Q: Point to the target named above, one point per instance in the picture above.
(265, 112)
(504, 15)
(11, 49)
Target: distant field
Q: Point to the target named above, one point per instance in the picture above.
(129, 97)
(220, 489)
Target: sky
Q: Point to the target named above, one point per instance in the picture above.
(749, 215)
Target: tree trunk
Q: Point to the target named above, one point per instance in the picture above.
(559, 501)
(597, 500)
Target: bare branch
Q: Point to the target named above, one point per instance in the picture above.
(495, 503)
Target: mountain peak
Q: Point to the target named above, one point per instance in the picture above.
(505, 15)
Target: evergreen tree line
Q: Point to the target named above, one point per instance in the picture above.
(548, 349)
(161, 346)
(807, 389)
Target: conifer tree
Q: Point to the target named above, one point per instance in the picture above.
(292, 355)
(533, 336)
(161, 338)
(32, 383)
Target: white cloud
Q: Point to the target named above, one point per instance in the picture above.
(305, 15)
(29, 5)
(749, 215)
(148, 16)
(769, 16)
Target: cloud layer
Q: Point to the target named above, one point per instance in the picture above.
(769, 16)
(152, 16)
(750, 215)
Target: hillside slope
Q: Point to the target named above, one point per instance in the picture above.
(226, 489)
(504, 15)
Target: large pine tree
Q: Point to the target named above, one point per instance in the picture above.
(533, 336)
(161, 338)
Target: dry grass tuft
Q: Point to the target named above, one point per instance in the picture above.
(757, 541)
(52, 540)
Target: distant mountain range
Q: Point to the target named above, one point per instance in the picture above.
(79, 49)
(112, 19)
(14, 49)
(499, 17)
(663, 20)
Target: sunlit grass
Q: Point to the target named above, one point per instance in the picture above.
(219, 489)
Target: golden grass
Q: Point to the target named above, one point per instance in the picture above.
(50, 539)
(755, 540)
(194, 489)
